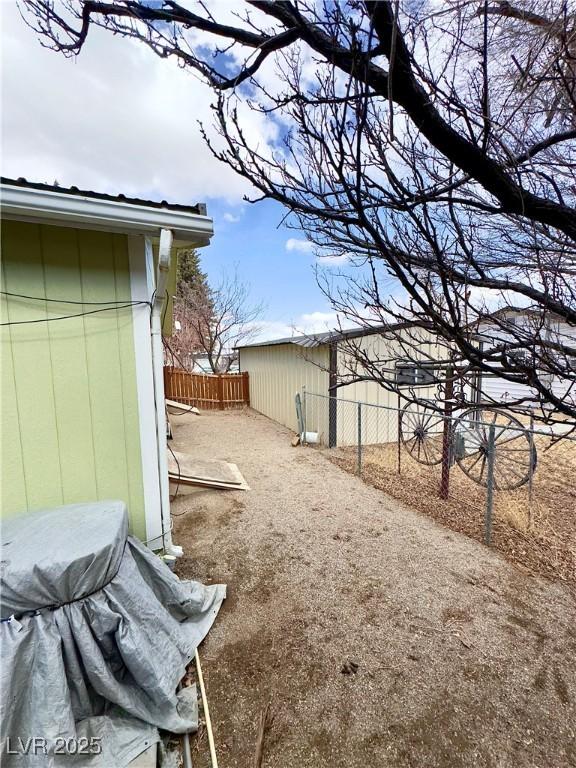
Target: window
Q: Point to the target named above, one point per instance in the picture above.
(414, 375)
(425, 376)
(406, 375)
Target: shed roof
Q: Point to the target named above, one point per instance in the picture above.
(327, 337)
(311, 340)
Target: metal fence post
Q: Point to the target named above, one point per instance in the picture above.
(360, 438)
(304, 414)
(398, 445)
(490, 484)
(398, 441)
(447, 435)
(531, 476)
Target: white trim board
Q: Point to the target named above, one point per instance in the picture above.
(26, 204)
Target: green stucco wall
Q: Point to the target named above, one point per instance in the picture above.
(69, 420)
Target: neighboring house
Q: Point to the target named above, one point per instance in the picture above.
(201, 364)
(495, 388)
(85, 282)
(197, 362)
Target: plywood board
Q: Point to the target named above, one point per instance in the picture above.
(205, 469)
(176, 482)
(179, 408)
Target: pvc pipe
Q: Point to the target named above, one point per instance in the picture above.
(206, 713)
(164, 257)
(186, 751)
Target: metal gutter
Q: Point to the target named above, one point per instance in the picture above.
(46, 206)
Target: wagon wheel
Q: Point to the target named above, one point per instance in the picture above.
(421, 429)
(515, 458)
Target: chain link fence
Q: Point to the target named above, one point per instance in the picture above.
(484, 471)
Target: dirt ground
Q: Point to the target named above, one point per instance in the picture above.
(462, 658)
(534, 527)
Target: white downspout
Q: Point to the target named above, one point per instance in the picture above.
(164, 258)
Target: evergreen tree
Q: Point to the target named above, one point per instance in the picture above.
(192, 297)
(190, 275)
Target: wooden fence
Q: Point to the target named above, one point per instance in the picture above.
(224, 390)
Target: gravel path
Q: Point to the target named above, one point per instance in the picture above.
(463, 660)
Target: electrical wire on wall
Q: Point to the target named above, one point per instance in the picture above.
(72, 301)
(103, 306)
(175, 494)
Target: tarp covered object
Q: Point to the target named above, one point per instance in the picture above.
(96, 633)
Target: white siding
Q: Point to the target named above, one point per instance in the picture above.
(278, 372)
(562, 387)
(495, 388)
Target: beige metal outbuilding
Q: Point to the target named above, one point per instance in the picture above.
(314, 365)
(280, 369)
(336, 371)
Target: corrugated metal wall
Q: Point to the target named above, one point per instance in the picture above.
(70, 422)
(502, 391)
(379, 425)
(278, 372)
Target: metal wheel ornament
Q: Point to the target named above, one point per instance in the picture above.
(421, 430)
(514, 458)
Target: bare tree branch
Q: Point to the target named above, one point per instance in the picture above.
(431, 150)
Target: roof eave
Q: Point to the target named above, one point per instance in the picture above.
(331, 337)
(42, 206)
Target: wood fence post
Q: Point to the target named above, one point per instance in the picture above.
(246, 388)
(220, 389)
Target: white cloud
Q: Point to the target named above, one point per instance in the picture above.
(488, 299)
(116, 118)
(302, 246)
(307, 323)
(323, 259)
(333, 259)
(318, 322)
(229, 217)
(274, 329)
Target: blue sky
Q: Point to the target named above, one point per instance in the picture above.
(283, 279)
(118, 119)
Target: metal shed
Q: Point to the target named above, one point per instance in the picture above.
(279, 369)
(316, 363)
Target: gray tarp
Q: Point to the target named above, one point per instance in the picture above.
(96, 633)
